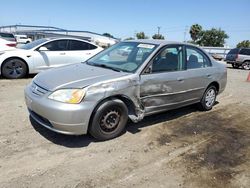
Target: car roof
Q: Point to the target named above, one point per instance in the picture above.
(65, 38)
(159, 42)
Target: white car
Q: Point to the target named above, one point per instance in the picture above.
(22, 39)
(7, 45)
(43, 54)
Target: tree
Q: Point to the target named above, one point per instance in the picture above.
(141, 35)
(158, 36)
(244, 44)
(213, 37)
(195, 31)
(108, 35)
(130, 38)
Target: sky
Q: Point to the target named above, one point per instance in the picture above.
(123, 18)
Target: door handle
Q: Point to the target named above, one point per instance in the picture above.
(180, 79)
(63, 53)
(208, 75)
(88, 53)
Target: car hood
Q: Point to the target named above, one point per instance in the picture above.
(74, 76)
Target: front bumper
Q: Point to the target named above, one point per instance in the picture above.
(59, 117)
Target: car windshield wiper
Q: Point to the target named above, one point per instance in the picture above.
(104, 66)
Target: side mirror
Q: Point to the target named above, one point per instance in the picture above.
(42, 48)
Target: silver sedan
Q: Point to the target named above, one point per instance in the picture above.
(100, 95)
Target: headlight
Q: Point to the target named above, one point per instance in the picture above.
(72, 96)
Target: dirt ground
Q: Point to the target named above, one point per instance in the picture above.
(180, 148)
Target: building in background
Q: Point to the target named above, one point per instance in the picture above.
(37, 32)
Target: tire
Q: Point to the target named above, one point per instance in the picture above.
(208, 99)
(14, 68)
(236, 66)
(246, 65)
(109, 120)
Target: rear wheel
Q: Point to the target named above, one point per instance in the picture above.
(246, 65)
(14, 68)
(109, 120)
(208, 99)
(236, 66)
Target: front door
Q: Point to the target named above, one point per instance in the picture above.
(54, 54)
(163, 83)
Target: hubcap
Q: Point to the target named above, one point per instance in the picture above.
(13, 68)
(210, 97)
(110, 120)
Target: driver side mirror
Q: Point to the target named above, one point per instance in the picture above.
(43, 48)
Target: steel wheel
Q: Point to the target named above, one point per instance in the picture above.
(110, 120)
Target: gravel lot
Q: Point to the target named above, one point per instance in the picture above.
(180, 148)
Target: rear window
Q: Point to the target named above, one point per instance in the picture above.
(234, 51)
(245, 51)
(7, 35)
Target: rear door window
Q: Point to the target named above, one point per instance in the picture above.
(196, 58)
(245, 51)
(79, 45)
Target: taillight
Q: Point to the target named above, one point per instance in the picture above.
(11, 45)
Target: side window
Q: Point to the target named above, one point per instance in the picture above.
(79, 45)
(169, 59)
(59, 45)
(245, 51)
(196, 59)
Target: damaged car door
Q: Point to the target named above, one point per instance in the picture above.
(163, 81)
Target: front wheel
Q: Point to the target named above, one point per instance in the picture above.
(246, 65)
(109, 120)
(14, 68)
(208, 99)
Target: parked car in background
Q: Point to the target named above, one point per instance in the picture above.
(22, 39)
(239, 57)
(43, 54)
(101, 94)
(7, 42)
(6, 45)
(217, 57)
(8, 36)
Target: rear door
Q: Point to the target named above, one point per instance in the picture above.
(244, 55)
(199, 72)
(80, 51)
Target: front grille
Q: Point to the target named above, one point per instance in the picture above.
(38, 90)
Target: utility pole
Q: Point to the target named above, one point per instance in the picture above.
(185, 33)
(158, 28)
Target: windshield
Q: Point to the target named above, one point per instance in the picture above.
(33, 44)
(124, 56)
